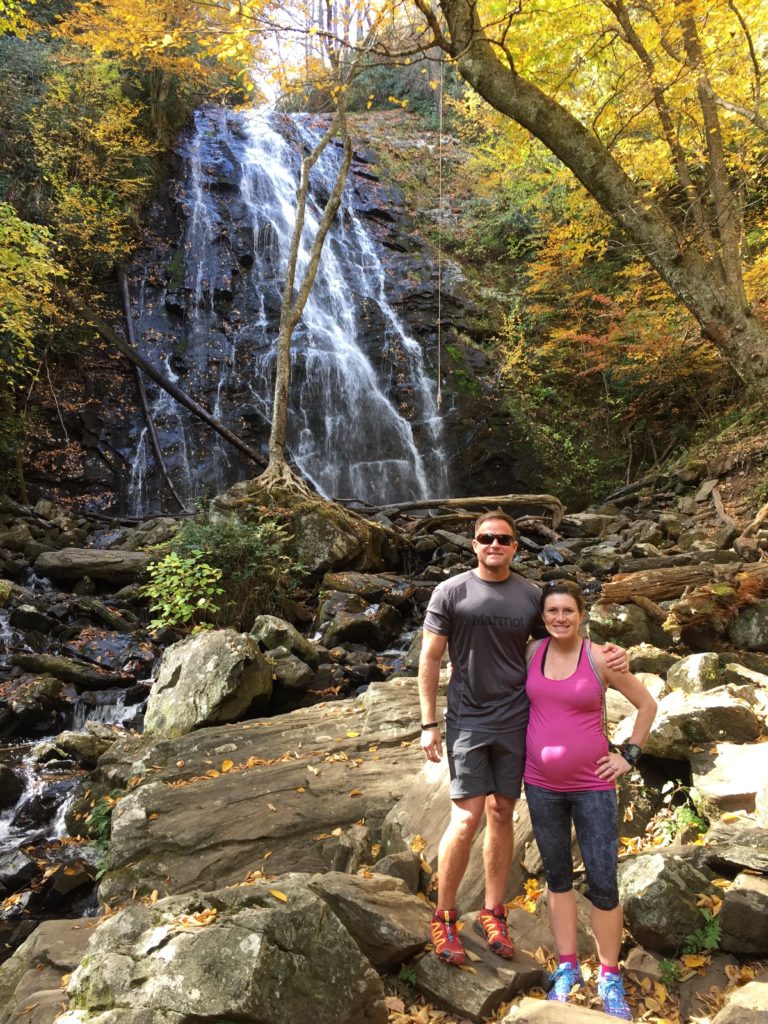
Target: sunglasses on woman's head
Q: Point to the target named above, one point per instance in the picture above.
(505, 539)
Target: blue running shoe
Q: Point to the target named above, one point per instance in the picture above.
(562, 981)
(610, 988)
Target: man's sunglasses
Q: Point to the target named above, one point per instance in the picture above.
(505, 539)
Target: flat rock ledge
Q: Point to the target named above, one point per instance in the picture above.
(77, 563)
(193, 815)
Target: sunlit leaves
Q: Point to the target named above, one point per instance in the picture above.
(14, 17)
(94, 160)
(174, 38)
(27, 269)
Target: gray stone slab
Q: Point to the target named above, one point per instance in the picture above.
(475, 990)
(32, 977)
(296, 784)
(729, 775)
(540, 1011)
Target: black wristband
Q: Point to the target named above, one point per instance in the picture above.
(430, 725)
(631, 753)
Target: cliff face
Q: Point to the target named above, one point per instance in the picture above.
(367, 418)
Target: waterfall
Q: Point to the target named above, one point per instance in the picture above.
(363, 420)
(105, 706)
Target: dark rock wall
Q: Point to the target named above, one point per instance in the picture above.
(194, 307)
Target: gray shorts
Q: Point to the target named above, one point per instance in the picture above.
(486, 762)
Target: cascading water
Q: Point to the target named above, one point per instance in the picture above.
(363, 420)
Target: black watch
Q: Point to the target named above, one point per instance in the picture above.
(631, 753)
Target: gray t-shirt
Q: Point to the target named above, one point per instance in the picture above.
(487, 625)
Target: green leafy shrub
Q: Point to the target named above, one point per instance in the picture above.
(255, 573)
(182, 589)
(682, 811)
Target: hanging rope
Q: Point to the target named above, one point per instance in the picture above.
(440, 246)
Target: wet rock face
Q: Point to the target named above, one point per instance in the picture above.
(207, 295)
(11, 787)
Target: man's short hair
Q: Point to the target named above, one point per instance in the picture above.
(496, 515)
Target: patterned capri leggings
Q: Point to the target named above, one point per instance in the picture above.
(593, 813)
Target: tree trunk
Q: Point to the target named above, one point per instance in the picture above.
(702, 286)
(547, 501)
(293, 305)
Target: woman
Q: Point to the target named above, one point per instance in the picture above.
(570, 776)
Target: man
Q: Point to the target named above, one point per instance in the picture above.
(485, 618)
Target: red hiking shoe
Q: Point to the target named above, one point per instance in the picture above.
(444, 936)
(492, 925)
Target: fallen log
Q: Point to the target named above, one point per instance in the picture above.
(666, 584)
(547, 501)
(757, 522)
(651, 609)
(70, 671)
(717, 501)
(167, 385)
(627, 489)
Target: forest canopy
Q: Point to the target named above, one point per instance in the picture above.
(613, 200)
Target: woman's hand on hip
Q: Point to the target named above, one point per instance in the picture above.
(611, 766)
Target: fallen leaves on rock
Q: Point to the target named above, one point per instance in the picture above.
(229, 767)
(200, 919)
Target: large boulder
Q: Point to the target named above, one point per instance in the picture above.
(743, 916)
(730, 845)
(695, 673)
(34, 700)
(83, 747)
(624, 624)
(348, 618)
(209, 677)
(586, 524)
(684, 720)
(750, 628)
(272, 632)
(110, 566)
(30, 981)
(267, 953)
(387, 922)
(474, 995)
(647, 658)
(289, 671)
(11, 787)
(660, 894)
(746, 1005)
(150, 533)
(542, 1011)
(729, 775)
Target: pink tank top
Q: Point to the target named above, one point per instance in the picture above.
(565, 730)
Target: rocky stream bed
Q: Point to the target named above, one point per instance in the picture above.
(240, 826)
